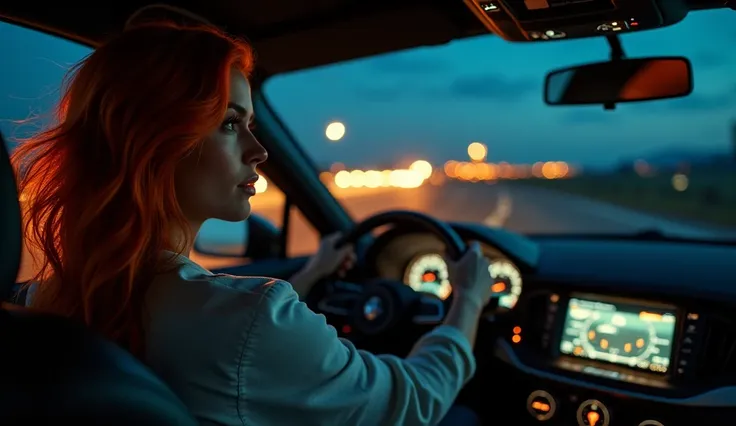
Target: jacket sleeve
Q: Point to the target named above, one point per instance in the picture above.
(296, 370)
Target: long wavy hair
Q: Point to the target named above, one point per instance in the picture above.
(98, 185)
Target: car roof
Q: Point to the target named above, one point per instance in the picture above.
(288, 35)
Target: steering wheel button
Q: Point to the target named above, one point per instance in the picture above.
(541, 405)
(430, 309)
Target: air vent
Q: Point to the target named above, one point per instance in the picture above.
(717, 360)
(538, 321)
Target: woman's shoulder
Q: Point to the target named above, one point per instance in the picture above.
(187, 279)
(200, 329)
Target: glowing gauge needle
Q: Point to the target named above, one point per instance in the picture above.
(593, 418)
(427, 273)
(506, 283)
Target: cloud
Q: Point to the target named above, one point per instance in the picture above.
(409, 63)
(489, 87)
(588, 115)
(493, 87)
(379, 93)
(696, 102)
(702, 102)
(708, 59)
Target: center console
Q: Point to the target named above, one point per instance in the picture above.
(595, 360)
(618, 339)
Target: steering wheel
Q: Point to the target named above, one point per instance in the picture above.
(381, 304)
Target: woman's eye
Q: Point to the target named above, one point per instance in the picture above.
(230, 126)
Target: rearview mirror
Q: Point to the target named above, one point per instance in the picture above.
(622, 80)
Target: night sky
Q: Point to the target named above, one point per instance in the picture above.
(431, 102)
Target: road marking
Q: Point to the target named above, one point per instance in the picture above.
(501, 212)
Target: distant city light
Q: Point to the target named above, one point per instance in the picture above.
(422, 167)
(335, 131)
(477, 151)
(421, 172)
(680, 182)
(480, 171)
(261, 185)
(396, 178)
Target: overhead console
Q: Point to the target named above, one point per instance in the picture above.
(544, 20)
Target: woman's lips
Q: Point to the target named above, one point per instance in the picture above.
(248, 188)
(249, 185)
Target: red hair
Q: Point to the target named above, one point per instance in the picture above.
(98, 185)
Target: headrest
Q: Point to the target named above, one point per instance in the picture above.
(10, 225)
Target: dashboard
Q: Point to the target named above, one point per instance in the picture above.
(426, 271)
(591, 331)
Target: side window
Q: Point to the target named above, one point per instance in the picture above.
(29, 89)
(34, 65)
(222, 244)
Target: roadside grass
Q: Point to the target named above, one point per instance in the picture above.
(710, 195)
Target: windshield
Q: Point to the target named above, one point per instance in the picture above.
(473, 110)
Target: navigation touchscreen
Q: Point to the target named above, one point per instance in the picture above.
(633, 335)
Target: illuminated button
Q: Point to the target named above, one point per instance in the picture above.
(612, 26)
(593, 413)
(650, 423)
(555, 34)
(489, 6)
(541, 405)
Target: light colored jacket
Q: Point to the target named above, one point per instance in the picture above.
(245, 351)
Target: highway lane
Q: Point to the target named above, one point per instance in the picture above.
(513, 205)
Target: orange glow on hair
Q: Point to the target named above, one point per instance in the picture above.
(98, 185)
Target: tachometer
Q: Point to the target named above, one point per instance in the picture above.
(506, 283)
(427, 273)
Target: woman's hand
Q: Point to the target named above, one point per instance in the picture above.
(328, 260)
(331, 259)
(471, 288)
(470, 277)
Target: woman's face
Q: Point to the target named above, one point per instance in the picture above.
(216, 180)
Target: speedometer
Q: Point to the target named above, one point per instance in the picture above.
(506, 283)
(427, 273)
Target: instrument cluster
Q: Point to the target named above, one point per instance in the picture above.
(429, 273)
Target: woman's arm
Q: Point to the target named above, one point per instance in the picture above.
(295, 370)
(304, 280)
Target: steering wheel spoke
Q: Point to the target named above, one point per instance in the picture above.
(341, 298)
(429, 310)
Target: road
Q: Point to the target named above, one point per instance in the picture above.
(514, 206)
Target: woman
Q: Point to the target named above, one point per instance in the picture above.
(152, 140)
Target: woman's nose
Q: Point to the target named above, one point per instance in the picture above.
(255, 154)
